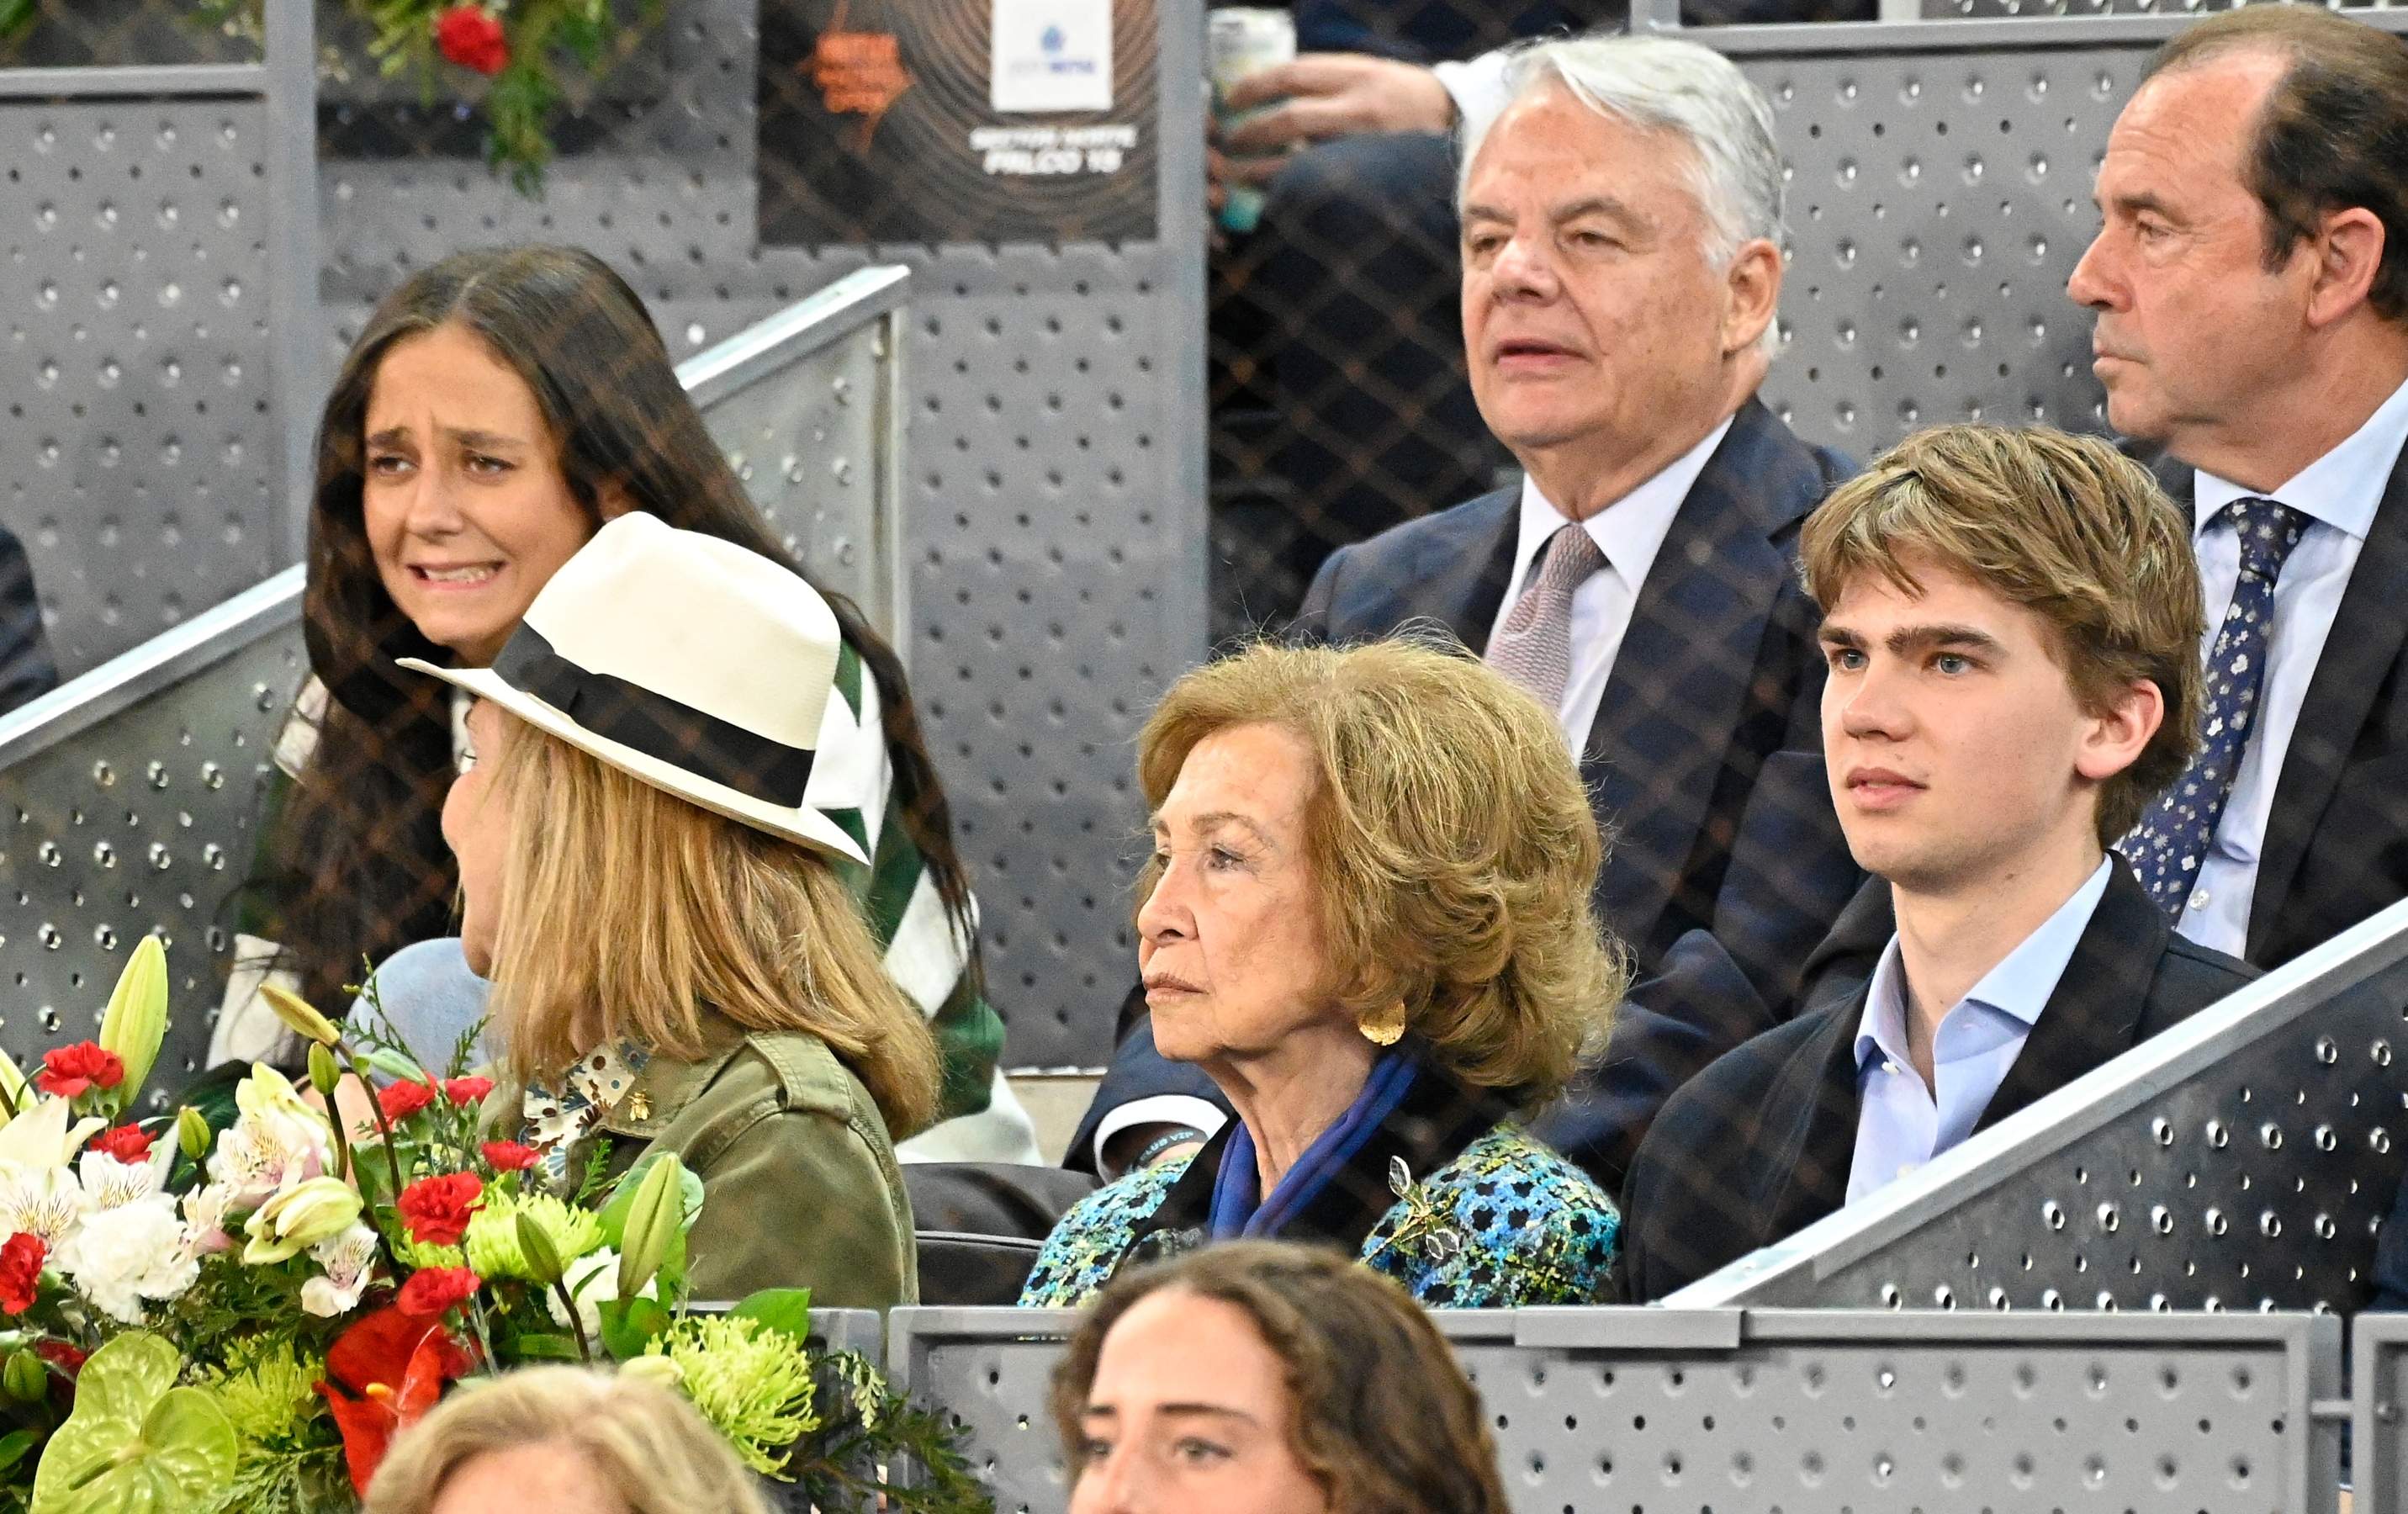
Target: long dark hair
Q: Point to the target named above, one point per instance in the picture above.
(356, 865)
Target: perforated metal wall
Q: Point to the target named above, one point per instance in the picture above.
(2244, 1160)
(1655, 1411)
(152, 280)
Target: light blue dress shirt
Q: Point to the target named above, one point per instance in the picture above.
(2337, 492)
(1900, 1125)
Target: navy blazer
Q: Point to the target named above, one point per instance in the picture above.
(1758, 1146)
(2336, 848)
(1705, 760)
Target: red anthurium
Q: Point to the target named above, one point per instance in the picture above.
(72, 1071)
(396, 1365)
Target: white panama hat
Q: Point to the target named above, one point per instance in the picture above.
(683, 661)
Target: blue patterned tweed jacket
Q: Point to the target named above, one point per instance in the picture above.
(1464, 1210)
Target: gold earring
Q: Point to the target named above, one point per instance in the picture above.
(1384, 1027)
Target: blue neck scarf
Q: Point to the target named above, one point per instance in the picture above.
(1239, 1209)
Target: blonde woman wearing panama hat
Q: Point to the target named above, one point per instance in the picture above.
(648, 883)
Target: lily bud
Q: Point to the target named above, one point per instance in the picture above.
(323, 1074)
(12, 1083)
(299, 1218)
(137, 1018)
(298, 1016)
(536, 1249)
(24, 1377)
(193, 1133)
(652, 1221)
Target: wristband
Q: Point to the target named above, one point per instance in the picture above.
(1180, 1135)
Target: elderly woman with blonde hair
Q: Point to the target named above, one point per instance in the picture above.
(563, 1439)
(1367, 918)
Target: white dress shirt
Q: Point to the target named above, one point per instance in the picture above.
(1629, 531)
(1900, 1125)
(2337, 492)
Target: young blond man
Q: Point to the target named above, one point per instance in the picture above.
(2012, 626)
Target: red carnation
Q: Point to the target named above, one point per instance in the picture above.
(509, 1156)
(466, 1090)
(72, 1071)
(471, 36)
(20, 1271)
(430, 1291)
(401, 1100)
(129, 1144)
(437, 1209)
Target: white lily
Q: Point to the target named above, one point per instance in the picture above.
(108, 1183)
(40, 1201)
(44, 1134)
(277, 1142)
(348, 1259)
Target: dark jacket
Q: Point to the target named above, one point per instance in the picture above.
(1704, 763)
(1758, 1146)
(27, 669)
(2336, 847)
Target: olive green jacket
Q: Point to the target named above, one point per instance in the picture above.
(800, 1186)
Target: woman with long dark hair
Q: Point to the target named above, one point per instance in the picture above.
(498, 408)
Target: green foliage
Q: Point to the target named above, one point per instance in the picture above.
(589, 36)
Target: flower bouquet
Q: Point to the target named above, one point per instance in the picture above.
(203, 1320)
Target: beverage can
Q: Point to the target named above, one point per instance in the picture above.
(1240, 41)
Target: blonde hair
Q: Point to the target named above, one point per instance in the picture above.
(1449, 840)
(643, 1442)
(626, 910)
(2066, 527)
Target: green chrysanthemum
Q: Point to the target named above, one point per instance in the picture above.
(491, 1243)
(750, 1381)
(268, 1395)
(419, 1255)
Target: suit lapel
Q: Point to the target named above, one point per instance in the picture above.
(2365, 642)
(2095, 1013)
(1460, 573)
(1681, 679)
(1810, 1158)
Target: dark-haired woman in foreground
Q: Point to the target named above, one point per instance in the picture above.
(495, 411)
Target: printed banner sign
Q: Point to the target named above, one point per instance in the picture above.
(957, 121)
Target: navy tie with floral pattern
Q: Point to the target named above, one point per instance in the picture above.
(2173, 837)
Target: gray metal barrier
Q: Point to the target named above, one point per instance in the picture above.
(161, 290)
(1796, 1411)
(2245, 1158)
(134, 788)
(2379, 1395)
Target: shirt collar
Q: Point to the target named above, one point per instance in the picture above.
(2340, 489)
(1631, 530)
(2018, 986)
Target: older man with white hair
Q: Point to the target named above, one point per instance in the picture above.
(1620, 273)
